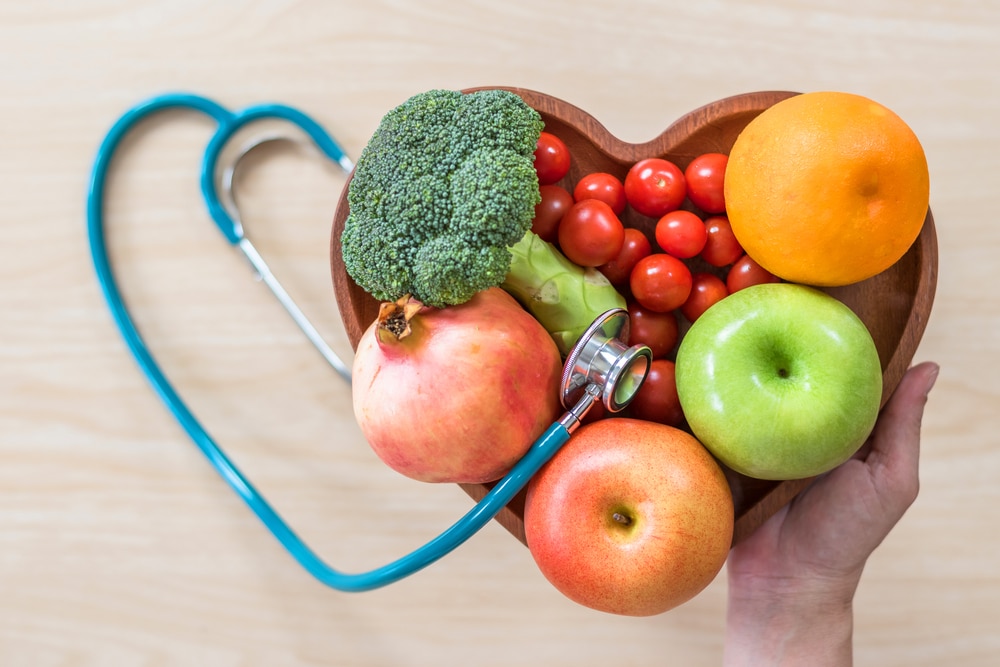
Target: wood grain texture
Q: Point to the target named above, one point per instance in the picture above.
(895, 305)
(120, 546)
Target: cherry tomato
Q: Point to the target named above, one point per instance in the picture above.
(660, 282)
(656, 399)
(551, 159)
(655, 186)
(707, 289)
(555, 202)
(747, 272)
(721, 247)
(590, 234)
(658, 331)
(704, 178)
(605, 187)
(681, 233)
(635, 247)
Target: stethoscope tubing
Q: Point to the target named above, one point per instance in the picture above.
(229, 122)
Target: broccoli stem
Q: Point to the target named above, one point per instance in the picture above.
(563, 297)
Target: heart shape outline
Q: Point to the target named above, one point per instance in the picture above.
(895, 305)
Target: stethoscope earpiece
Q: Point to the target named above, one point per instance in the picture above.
(227, 197)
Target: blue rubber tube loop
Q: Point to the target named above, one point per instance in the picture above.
(230, 125)
(477, 517)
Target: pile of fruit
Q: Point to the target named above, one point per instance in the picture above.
(754, 367)
(692, 261)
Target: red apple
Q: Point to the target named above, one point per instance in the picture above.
(630, 517)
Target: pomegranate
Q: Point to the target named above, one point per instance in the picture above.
(456, 394)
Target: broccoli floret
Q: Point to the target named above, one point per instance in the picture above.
(442, 189)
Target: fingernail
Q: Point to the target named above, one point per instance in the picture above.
(932, 377)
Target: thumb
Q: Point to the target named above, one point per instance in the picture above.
(895, 452)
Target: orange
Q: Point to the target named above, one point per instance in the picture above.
(827, 188)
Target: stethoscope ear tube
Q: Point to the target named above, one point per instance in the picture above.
(476, 518)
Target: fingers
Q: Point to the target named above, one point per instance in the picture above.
(895, 446)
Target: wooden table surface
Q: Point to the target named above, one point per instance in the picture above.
(119, 545)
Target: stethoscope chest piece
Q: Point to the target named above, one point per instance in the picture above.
(603, 359)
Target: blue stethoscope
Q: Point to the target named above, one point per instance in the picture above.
(600, 368)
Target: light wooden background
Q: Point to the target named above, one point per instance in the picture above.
(120, 546)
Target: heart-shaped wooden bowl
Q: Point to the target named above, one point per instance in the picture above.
(895, 304)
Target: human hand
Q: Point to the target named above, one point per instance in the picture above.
(792, 582)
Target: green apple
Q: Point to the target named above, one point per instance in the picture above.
(779, 381)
